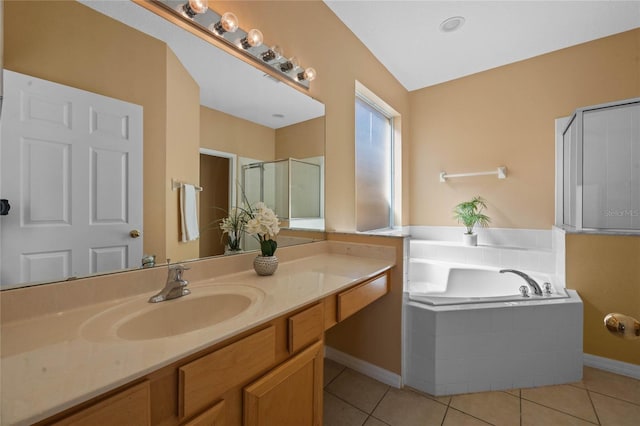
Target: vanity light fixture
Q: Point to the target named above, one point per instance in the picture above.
(194, 7)
(309, 74)
(252, 39)
(274, 53)
(248, 45)
(228, 23)
(289, 64)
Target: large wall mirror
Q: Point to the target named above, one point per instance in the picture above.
(197, 114)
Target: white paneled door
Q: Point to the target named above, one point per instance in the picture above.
(71, 167)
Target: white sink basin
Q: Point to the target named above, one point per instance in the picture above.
(205, 307)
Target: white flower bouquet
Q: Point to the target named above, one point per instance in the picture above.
(264, 225)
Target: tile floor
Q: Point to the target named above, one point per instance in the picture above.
(601, 398)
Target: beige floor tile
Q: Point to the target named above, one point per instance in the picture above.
(407, 408)
(338, 413)
(612, 384)
(358, 390)
(614, 412)
(514, 392)
(441, 399)
(498, 408)
(331, 370)
(568, 399)
(372, 421)
(457, 418)
(536, 415)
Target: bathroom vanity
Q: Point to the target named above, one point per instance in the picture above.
(99, 366)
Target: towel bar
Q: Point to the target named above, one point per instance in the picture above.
(500, 171)
(176, 184)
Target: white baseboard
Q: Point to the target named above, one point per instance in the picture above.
(368, 369)
(613, 366)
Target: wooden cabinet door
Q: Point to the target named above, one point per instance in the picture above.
(289, 395)
(214, 416)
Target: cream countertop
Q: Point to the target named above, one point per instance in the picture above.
(57, 360)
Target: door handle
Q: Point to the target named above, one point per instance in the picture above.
(4, 207)
(134, 233)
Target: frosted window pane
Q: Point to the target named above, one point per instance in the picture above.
(611, 168)
(305, 190)
(373, 168)
(569, 146)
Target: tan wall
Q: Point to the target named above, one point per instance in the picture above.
(311, 31)
(606, 272)
(375, 333)
(301, 140)
(505, 117)
(224, 132)
(68, 43)
(183, 151)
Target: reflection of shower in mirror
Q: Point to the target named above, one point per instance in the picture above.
(293, 188)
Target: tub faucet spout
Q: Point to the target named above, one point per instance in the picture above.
(532, 283)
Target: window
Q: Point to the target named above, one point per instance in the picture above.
(374, 165)
(598, 173)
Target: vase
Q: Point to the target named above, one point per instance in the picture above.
(265, 265)
(470, 239)
(228, 250)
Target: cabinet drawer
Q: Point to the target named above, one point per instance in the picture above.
(131, 406)
(305, 327)
(356, 298)
(204, 380)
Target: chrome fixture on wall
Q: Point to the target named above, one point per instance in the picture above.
(226, 28)
(621, 325)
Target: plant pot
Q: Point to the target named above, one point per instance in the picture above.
(265, 265)
(470, 239)
(228, 251)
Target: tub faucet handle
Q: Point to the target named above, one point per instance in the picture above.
(547, 288)
(524, 291)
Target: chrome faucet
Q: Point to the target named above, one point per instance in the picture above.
(532, 283)
(175, 286)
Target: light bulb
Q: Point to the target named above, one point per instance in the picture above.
(275, 52)
(309, 74)
(195, 7)
(289, 64)
(228, 23)
(252, 39)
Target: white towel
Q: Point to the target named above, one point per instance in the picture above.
(188, 213)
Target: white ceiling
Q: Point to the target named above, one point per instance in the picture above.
(405, 35)
(226, 83)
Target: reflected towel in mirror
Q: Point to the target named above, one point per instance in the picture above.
(188, 213)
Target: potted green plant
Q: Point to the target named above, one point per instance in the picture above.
(470, 213)
(233, 225)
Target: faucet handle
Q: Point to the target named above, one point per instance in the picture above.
(175, 272)
(524, 291)
(547, 288)
(179, 267)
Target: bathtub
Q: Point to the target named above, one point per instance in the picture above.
(468, 329)
(437, 283)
